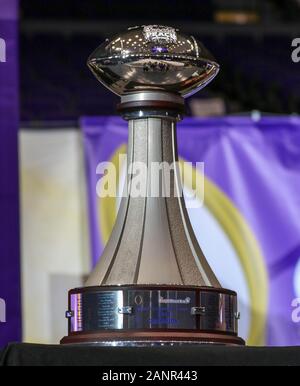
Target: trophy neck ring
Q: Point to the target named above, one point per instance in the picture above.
(145, 104)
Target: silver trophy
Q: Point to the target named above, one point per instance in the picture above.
(153, 284)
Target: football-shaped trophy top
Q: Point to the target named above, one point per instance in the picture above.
(153, 58)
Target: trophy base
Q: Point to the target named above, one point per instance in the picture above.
(151, 315)
(142, 339)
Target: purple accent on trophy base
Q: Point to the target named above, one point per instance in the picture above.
(76, 307)
(10, 330)
(257, 165)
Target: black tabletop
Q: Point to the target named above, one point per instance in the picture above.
(188, 355)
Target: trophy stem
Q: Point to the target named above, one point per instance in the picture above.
(153, 241)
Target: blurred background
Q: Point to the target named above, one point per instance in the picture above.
(250, 39)
(244, 126)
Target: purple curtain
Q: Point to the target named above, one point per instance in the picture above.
(257, 166)
(10, 310)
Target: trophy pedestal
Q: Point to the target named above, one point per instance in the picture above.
(138, 315)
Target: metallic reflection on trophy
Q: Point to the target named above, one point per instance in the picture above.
(153, 284)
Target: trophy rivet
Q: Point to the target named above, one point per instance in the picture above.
(198, 310)
(237, 315)
(69, 314)
(127, 310)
